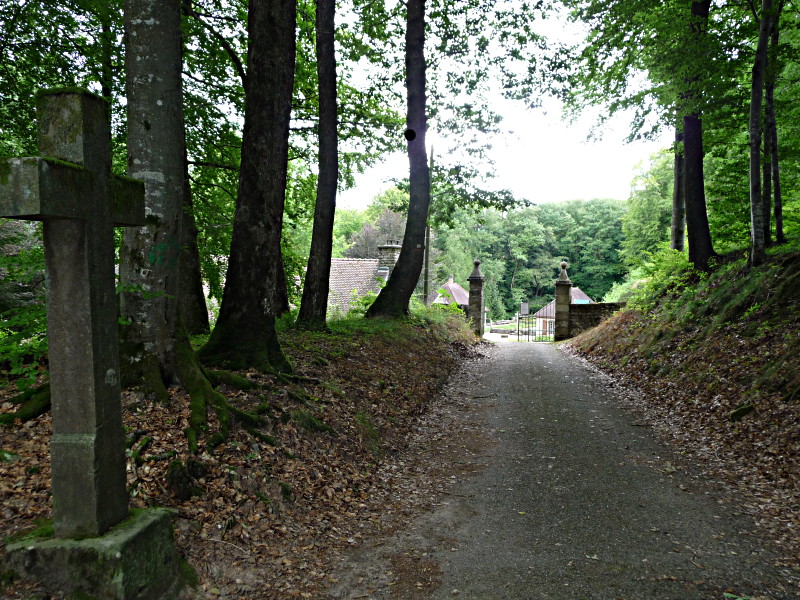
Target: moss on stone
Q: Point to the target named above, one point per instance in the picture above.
(51, 160)
(33, 402)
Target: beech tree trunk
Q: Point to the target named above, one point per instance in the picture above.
(192, 299)
(394, 298)
(766, 183)
(314, 305)
(772, 129)
(244, 335)
(758, 241)
(678, 228)
(150, 254)
(701, 250)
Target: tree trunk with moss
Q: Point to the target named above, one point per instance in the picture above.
(757, 214)
(244, 335)
(150, 254)
(156, 345)
(772, 125)
(192, 300)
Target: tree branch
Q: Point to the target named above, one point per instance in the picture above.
(237, 62)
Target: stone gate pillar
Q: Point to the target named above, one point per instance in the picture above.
(563, 297)
(476, 315)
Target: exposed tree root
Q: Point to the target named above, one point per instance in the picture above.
(141, 369)
(238, 348)
(233, 380)
(291, 378)
(198, 384)
(34, 402)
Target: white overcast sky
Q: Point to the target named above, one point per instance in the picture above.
(541, 158)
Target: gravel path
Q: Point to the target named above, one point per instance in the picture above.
(565, 498)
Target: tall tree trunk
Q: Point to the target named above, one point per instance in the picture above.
(155, 344)
(758, 242)
(244, 335)
(766, 183)
(772, 127)
(701, 249)
(149, 258)
(314, 305)
(678, 199)
(192, 299)
(394, 298)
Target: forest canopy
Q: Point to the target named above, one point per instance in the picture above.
(721, 75)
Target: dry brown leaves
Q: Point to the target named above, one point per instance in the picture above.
(687, 388)
(267, 521)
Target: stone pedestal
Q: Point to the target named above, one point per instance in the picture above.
(136, 560)
(563, 297)
(476, 306)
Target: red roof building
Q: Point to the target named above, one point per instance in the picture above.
(353, 278)
(456, 293)
(576, 296)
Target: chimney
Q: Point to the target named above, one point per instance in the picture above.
(388, 256)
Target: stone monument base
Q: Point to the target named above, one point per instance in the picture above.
(135, 560)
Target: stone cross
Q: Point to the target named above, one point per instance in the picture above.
(70, 188)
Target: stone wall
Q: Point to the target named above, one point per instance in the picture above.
(586, 316)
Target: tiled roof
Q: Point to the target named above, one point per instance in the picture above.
(349, 274)
(459, 294)
(548, 311)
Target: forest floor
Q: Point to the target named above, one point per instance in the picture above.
(268, 519)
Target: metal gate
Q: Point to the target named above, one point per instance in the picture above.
(533, 329)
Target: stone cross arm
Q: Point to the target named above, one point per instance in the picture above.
(38, 189)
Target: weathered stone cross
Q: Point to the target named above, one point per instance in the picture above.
(80, 202)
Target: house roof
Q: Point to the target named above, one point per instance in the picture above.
(349, 275)
(548, 311)
(458, 294)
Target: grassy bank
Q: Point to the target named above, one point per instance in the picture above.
(716, 360)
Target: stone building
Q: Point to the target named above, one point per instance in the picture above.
(353, 278)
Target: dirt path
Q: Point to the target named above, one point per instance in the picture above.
(558, 494)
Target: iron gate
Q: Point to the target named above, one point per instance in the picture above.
(533, 329)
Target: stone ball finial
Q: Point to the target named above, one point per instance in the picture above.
(563, 277)
(476, 272)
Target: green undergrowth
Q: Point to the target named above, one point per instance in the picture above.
(735, 324)
(441, 323)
